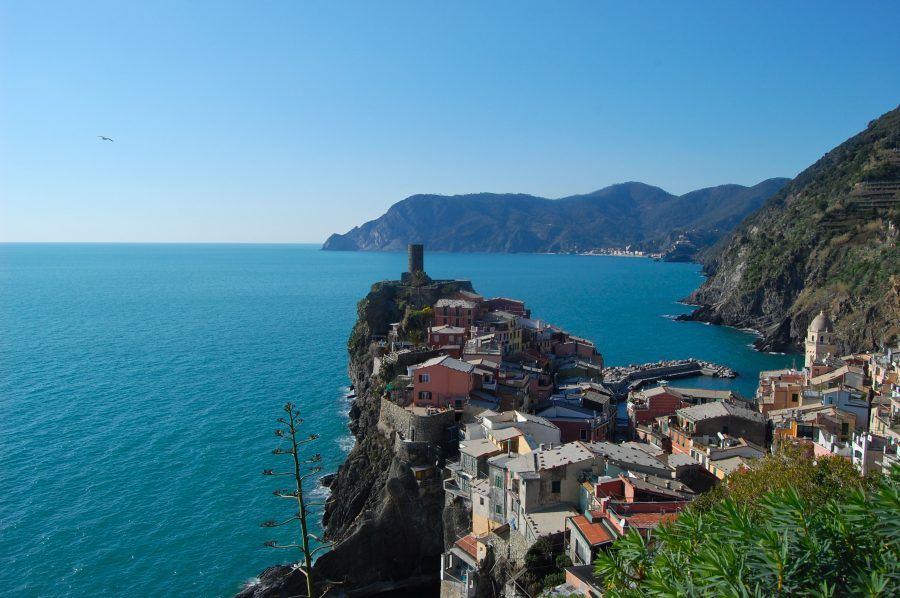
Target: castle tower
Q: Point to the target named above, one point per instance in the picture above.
(820, 340)
(416, 254)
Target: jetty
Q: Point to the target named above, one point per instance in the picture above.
(624, 379)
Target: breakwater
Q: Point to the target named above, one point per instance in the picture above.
(623, 379)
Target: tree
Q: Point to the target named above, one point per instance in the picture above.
(815, 481)
(302, 469)
(787, 545)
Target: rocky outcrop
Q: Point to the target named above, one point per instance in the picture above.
(635, 214)
(387, 528)
(828, 240)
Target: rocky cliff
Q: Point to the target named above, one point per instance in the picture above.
(386, 528)
(828, 240)
(636, 214)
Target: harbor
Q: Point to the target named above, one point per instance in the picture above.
(624, 379)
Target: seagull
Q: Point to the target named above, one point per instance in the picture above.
(104, 138)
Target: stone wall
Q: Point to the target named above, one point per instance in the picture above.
(420, 428)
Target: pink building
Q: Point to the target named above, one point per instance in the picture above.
(442, 382)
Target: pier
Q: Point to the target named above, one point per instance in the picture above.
(624, 379)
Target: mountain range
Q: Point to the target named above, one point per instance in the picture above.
(628, 214)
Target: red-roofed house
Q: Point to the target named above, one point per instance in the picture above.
(587, 534)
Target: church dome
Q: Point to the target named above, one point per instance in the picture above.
(820, 323)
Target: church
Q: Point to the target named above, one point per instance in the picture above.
(820, 340)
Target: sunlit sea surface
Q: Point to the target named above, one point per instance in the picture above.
(139, 386)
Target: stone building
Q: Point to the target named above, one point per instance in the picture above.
(820, 340)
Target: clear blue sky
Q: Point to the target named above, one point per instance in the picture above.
(284, 121)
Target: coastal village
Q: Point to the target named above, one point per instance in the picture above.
(533, 440)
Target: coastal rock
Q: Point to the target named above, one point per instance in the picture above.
(387, 529)
(828, 240)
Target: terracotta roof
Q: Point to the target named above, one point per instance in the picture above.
(595, 533)
(468, 545)
(650, 520)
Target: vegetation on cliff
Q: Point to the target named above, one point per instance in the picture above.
(828, 240)
(628, 214)
(829, 534)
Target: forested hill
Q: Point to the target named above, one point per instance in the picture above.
(828, 240)
(635, 214)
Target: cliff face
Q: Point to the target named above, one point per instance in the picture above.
(627, 214)
(387, 530)
(828, 240)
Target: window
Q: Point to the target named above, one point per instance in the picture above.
(583, 434)
(481, 500)
(794, 397)
(424, 395)
(498, 481)
(498, 510)
(556, 487)
(424, 378)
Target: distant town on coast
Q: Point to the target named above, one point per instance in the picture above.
(463, 299)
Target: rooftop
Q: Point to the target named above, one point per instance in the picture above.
(446, 329)
(550, 520)
(468, 544)
(447, 362)
(681, 460)
(595, 533)
(505, 433)
(657, 485)
(567, 412)
(719, 409)
(730, 464)
(478, 447)
(573, 452)
(624, 454)
(456, 303)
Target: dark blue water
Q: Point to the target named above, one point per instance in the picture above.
(139, 386)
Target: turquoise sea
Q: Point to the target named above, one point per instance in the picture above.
(139, 386)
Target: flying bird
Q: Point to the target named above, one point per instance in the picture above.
(104, 138)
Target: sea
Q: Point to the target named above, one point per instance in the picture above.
(140, 384)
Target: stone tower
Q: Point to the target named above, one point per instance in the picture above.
(416, 254)
(820, 340)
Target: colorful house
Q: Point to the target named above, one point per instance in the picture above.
(442, 382)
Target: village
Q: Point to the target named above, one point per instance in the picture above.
(515, 420)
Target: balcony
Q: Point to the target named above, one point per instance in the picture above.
(453, 488)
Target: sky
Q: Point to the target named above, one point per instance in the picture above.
(286, 121)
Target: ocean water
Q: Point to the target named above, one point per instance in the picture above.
(139, 386)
